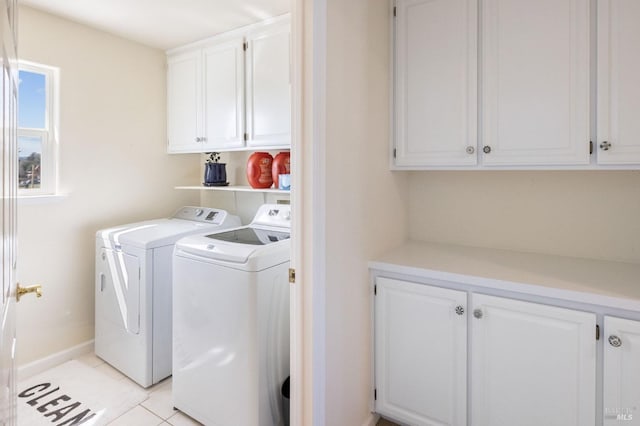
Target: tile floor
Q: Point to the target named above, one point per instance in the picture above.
(158, 408)
(155, 410)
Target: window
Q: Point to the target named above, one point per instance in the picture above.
(37, 128)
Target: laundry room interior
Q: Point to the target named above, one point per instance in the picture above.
(370, 218)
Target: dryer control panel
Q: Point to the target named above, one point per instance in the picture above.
(201, 214)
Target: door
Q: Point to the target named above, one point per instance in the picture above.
(269, 86)
(184, 102)
(531, 364)
(117, 292)
(618, 139)
(9, 161)
(436, 82)
(420, 353)
(224, 95)
(621, 372)
(535, 82)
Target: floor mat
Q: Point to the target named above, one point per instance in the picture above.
(73, 394)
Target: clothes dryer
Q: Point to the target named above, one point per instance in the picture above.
(133, 279)
(231, 322)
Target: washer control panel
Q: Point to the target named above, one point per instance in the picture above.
(274, 215)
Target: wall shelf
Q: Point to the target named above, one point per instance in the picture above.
(235, 188)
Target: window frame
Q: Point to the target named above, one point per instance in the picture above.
(49, 135)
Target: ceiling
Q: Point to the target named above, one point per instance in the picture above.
(163, 24)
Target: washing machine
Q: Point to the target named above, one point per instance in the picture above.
(133, 290)
(231, 322)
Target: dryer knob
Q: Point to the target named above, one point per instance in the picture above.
(199, 212)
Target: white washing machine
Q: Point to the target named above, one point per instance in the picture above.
(231, 322)
(133, 290)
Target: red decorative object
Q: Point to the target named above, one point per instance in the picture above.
(259, 170)
(281, 166)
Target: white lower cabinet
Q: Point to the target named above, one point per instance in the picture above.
(421, 353)
(531, 364)
(621, 372)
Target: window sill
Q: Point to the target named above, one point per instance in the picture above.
(28, 200)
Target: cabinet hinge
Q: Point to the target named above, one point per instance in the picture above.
(375, 289)
(394, 153)
(375, 394)
(394, 11)
(246, 136)
(590, 147)
(597, 332)
(245, 45)
(292, 275)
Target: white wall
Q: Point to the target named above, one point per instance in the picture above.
(590, 214)
(366, 204)
(113, 168)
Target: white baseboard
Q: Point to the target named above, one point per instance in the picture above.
(40, 365)
(372, 420)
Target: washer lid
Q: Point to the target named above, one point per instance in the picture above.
(248, 248)
(251, 236)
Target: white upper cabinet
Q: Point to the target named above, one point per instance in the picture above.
(269, 86)
(621, 372)
(532, 364)
(184, 101)
(618, 140)
(205, 97)
(518, 90)
(231, 91)
(436, 82)
(224, 94)
(535, 68)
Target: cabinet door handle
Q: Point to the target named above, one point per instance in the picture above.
(198, 139)
(477, 313)
(615, 341)
(102, 282)
(470, 149)
(486, 149)
(459, 309)
(605, 146)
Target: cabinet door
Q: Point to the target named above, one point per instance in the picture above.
(535, 82)
(269, 86)
(224, 95)
(531, 364)
(184, 102)
(621, 372)
(436, 82)
(420, 353)
(618, 82)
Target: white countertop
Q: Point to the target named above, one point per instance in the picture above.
(612, 284)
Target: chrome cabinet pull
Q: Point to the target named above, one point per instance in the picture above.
(615, 341)
(605, 146)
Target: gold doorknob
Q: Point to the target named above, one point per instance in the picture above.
(21, 291)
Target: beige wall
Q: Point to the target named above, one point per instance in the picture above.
(366, 204)
(591, 214)
(113, 168)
